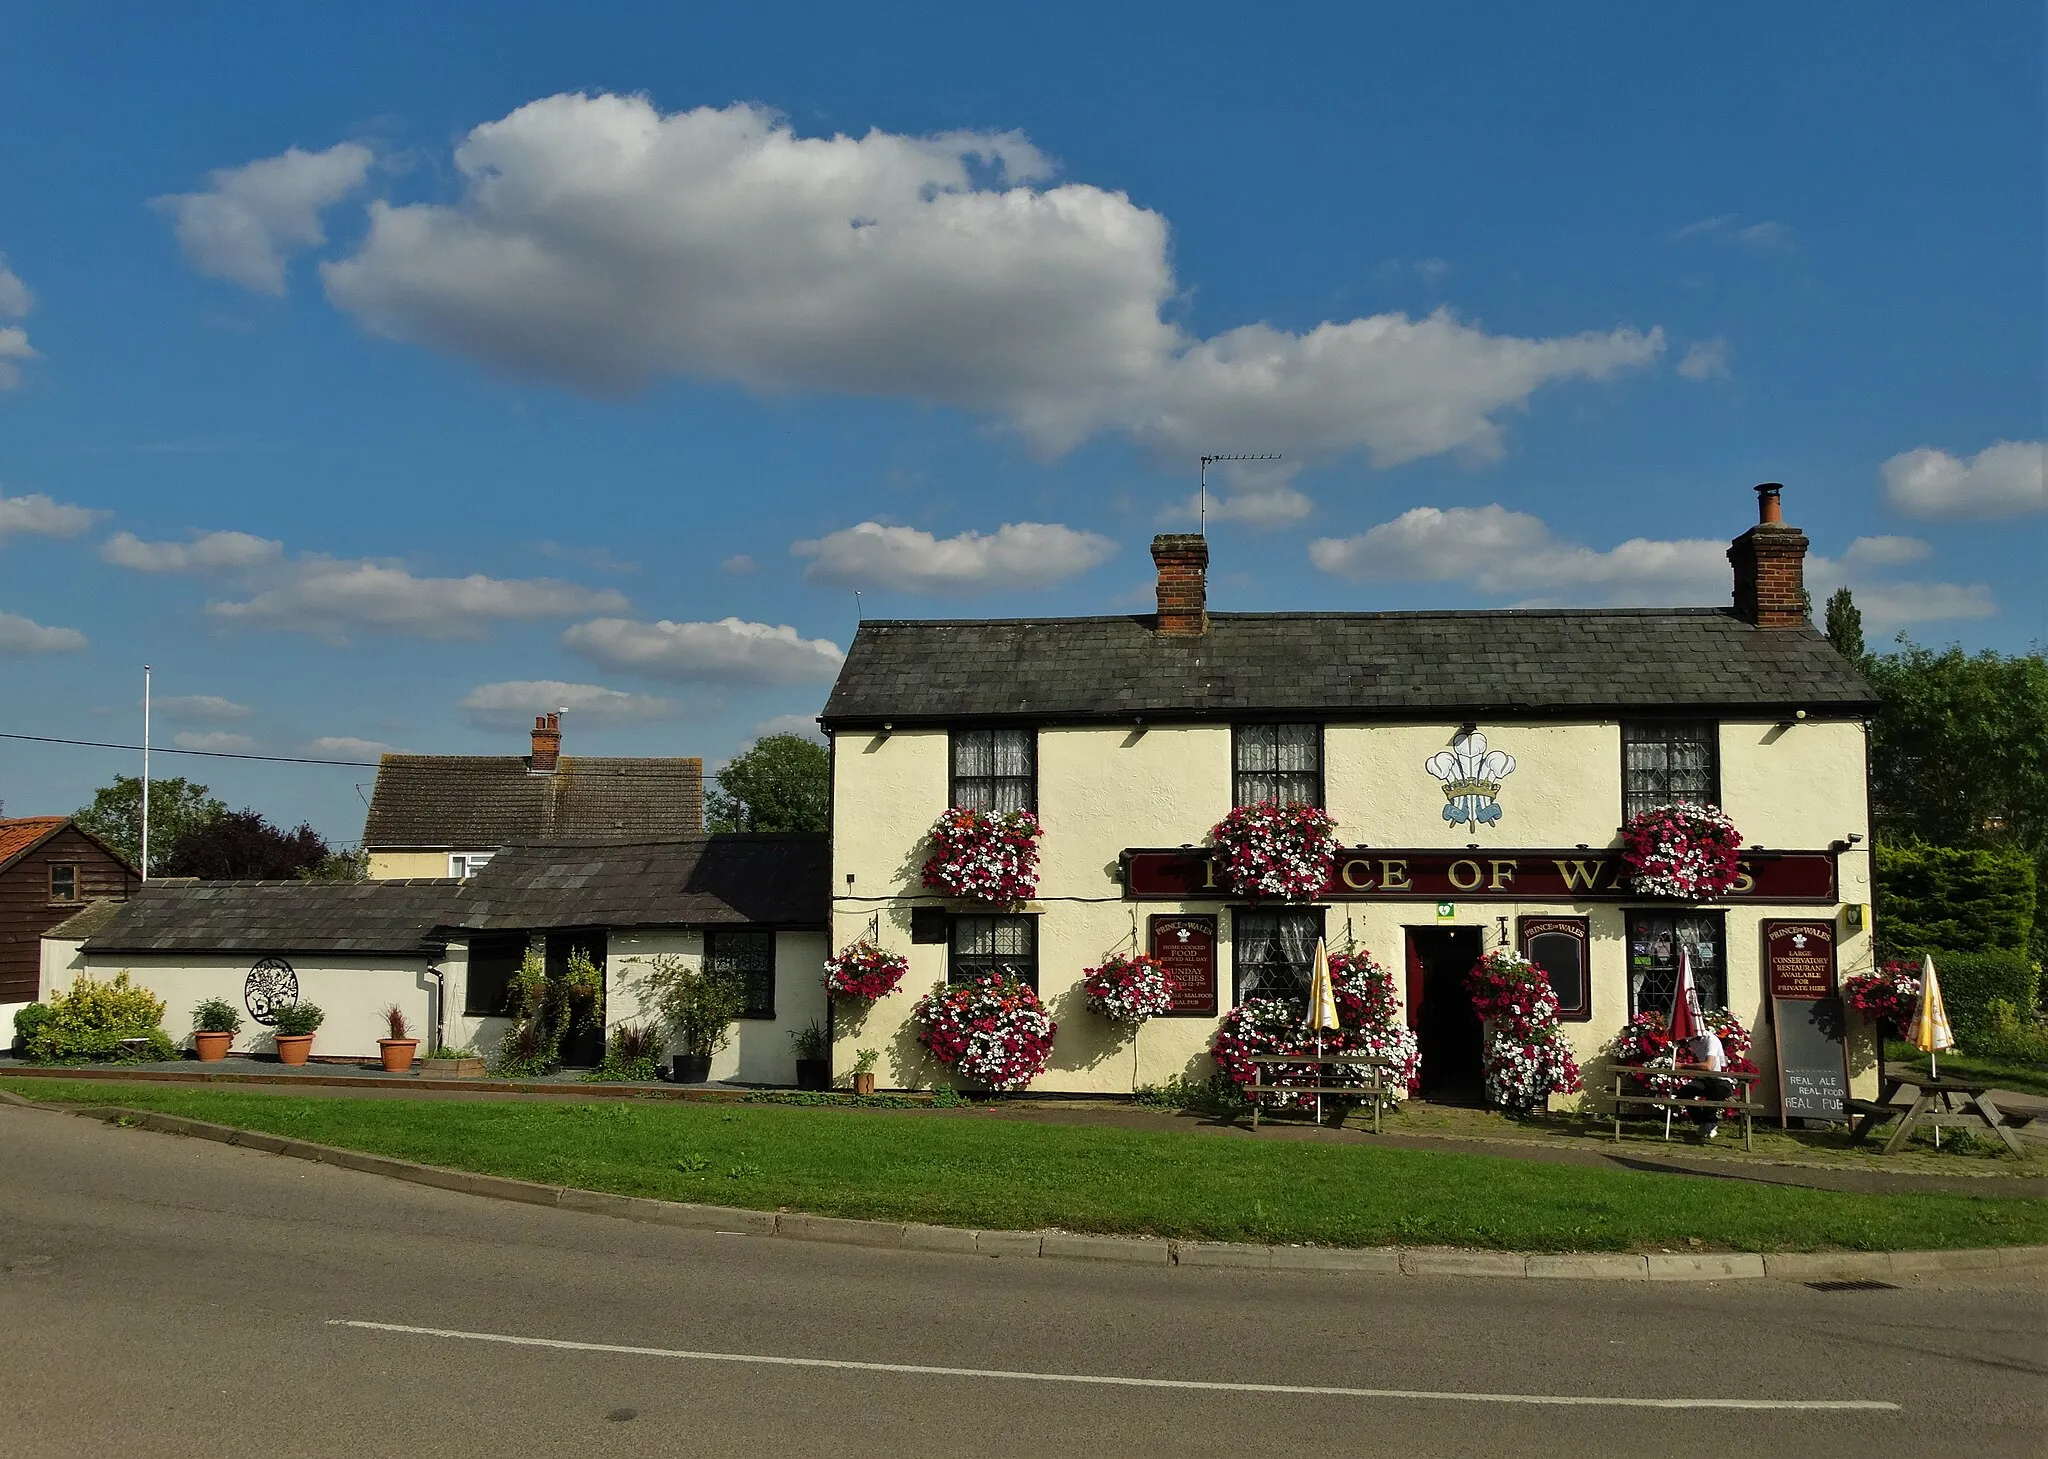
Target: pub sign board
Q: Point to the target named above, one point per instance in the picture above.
(1186, 948)
(1369, 874)
(1799, 959)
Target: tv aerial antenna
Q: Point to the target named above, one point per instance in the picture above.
(1202, 495)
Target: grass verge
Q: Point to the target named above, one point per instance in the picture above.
(972, 1170)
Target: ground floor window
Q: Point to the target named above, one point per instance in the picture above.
(1559, 946)
(1272, 953)
(1655, 939)
(749, 957)
(493, 959)
(982, 946)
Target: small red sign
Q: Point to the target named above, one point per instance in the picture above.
(1799, 959)
(1186, 948)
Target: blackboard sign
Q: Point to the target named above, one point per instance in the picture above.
(1186, 948)
(1813, 1065)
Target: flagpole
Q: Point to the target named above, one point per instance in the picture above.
(145, 772)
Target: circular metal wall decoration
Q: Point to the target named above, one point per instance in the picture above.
(271, 985)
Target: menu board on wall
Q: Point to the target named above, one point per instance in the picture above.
(1186, 948)
(1806, 1020)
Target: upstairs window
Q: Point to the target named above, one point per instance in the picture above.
(1282, 763)
(63, 883)
(749, 957)
(466, 864)
(995, 945)
(1666, 762)
(995, 770)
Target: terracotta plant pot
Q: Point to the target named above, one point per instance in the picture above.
(864, 1084)
(396, 1054)
(212, 1046)
(293, 1048)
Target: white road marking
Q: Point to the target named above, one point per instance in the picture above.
(1545, 1400)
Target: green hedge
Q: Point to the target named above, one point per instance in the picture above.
(1931, 897)
(1972, 981)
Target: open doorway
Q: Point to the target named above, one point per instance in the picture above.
(1440, 1011)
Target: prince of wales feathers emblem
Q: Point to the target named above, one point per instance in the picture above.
(1471, 774)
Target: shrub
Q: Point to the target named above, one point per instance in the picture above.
(91, 1019)
(810, 1041)
(216, 1015)
(395, 1021)
(2010, 1034)
(698, 1006)
(29, 1021)
(1933, 897)
(533, 1045)
(297, 1018)
(630, 1056)
(1970, 982)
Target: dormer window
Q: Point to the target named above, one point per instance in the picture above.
(995, 770)
(1281, 763)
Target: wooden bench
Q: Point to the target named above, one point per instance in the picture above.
(1746, 1106)
(1953, 1104)
(1375, 1086)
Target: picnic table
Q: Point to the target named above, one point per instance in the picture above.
(1746, 1106)
(1375, 1086)
(1915, 1099)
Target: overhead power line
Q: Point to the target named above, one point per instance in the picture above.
(209, 754)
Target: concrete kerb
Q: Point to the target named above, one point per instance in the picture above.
(1083, 1246)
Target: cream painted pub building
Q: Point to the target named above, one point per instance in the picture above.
(1479, 766)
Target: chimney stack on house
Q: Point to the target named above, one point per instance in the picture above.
(1770, 567)
(547, 743)
(1183, 562)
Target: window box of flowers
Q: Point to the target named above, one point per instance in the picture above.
(1685, 852)
(1527, 1058)
(984, 856)
(992, 1031)
(1270, 852)
(862, 972)
(1127, 990)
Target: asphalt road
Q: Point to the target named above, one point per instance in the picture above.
(177, 1297)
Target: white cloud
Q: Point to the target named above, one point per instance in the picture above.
(207, 552)
(1888, 605)
(14, 345)
(1015, 555)
(730, 651)
(36, 515)
(1260, 508)
(218, 741)
(1705, 359)
(347, 747)
(199, 706)
(599, 244)
(514, 703)
(2005, 479)
(21, 636)
(1886, 551)
(252, 218)
(1767, 234)
(331, 599)
(1433, 270)
(16, 300)
(738, 562)
(788, 724)
(1497, 551)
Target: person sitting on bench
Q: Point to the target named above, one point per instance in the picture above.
(1704, 1051)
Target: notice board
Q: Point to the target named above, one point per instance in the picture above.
(1186, 949)
(1806, 1020)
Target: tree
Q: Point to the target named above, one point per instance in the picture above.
(783, 783)
(242, 846)
(1845, 626)
(177, 807)
(340, 866)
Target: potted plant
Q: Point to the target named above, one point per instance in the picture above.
(397, 1051)
(443, 1062)
(699, 1009)
(295, 1024)
(864, 1070)
(215, 1022)
(813, 1056)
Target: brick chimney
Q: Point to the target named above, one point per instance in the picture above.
(547, 742)
(1770, 567)
(1183, 562)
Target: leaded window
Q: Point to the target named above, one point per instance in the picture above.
(1665, 762)
(995, 770)
(750, 958)
(1655, 940)
(1281, 763)
(992, 946)
(1273, 952)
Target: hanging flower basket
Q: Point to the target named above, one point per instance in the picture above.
(863, 971)
(1527, 1058)
(1886, 997)
(1270, 852)
(1273, 1026)
(1644, 1043)
(1127, 990)
(1683, 851)
(984, 856)
(1370, 1010)
(992, 1031)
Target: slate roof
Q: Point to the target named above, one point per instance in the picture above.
(84, 923)
(178, 915)
(1341, 665)
(742, 877)
(487, 801)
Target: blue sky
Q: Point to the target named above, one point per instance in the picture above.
(381, 376)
